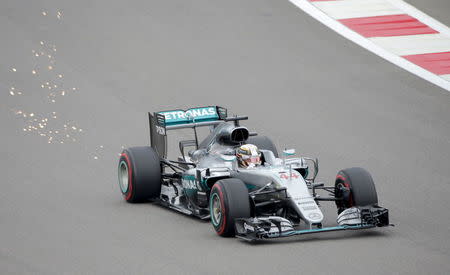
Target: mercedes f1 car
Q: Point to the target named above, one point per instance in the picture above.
(277, 198)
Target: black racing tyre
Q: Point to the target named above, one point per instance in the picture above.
(263, 142)
(229, 200)
(139, 174)
(356, 187)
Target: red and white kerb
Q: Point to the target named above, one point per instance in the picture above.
(396, 27)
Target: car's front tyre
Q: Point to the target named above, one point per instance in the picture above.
(228, 200)
(354, 187)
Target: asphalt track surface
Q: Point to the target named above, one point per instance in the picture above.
(438, 9)
(300, 83)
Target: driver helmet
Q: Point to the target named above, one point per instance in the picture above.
(248, 155)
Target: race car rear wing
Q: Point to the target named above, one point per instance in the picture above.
(161, 122)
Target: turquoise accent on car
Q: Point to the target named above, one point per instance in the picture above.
(250, 186)
(193, 180)
(228, 158)
(188, 177)
(191, 185)
(325, 229)
(213, 220)
(200, 114)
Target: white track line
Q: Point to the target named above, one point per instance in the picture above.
(356, 8)
(371, 46)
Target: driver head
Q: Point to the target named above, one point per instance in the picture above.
(248, 155)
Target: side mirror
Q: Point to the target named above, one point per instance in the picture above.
(288, 152)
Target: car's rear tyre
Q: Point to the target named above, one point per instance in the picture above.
(228, 200)
(356, 188)
(263, 142)
(139, 174)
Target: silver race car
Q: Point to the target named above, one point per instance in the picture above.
(275, 197)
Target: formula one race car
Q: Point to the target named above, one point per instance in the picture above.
(270, 197)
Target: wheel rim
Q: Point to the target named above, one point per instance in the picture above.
(216, 209)
(339, 193)
(123, 176)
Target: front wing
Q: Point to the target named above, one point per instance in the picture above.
(258, 228)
